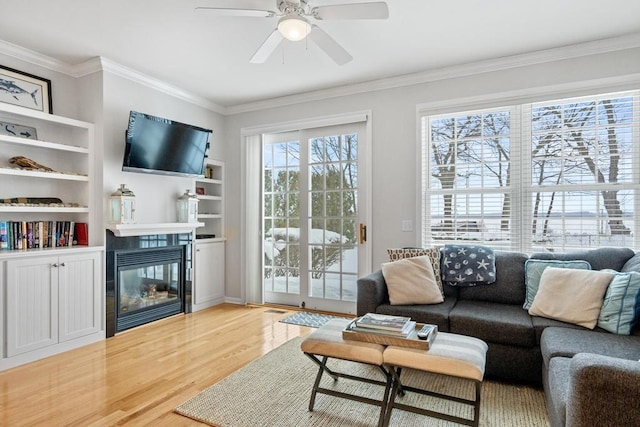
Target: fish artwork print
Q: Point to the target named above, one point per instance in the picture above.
(14, 90)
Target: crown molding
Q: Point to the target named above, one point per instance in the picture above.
(462, 70)
(157, 84)
(98, 64)
(35, 58)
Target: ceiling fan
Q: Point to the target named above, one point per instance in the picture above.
(293, 23)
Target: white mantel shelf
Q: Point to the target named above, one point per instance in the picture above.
(126, 230)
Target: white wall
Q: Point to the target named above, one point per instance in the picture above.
(394, 128)
(155, 194)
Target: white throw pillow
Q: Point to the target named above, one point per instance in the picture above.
(571, 295)
(411, 281)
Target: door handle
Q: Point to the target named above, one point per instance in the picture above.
(363, 233)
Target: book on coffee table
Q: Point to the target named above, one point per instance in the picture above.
(383, 322)
(411, 340)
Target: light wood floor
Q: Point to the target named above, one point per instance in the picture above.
(139, 376)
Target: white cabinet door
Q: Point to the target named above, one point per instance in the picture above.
(209, 277)
(32, 304)
(79, 295)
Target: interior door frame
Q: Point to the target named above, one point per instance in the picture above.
(250, 254)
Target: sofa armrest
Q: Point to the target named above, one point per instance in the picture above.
(603, 391)
(372, 291)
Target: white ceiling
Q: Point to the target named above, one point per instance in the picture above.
(209, 56)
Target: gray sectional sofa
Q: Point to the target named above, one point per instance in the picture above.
(590, 377)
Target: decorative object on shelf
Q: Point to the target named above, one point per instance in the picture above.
(33, 200)
(200, 191)
(187, 207)
(25, 90)
(122, 206)
(26, 163)
(20, 131)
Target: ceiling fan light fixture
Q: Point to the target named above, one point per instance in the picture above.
(294, 27)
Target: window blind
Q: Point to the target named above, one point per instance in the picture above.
(552, 176)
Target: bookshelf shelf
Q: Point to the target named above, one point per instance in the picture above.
(45, 175)
(44, 209)
(7, 139)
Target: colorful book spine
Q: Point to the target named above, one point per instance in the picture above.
(30, 237)
(23, 235)
(81, 234)
(72, 230)
(4, 235)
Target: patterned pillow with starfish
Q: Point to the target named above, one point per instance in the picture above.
(468, 265)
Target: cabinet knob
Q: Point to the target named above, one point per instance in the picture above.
(55, 264)
(197, 250)
(62, 264)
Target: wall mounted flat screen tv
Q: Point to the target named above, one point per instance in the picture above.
(163, 146)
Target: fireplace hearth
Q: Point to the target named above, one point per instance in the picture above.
(148, 278)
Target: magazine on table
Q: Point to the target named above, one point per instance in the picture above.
(384, 323)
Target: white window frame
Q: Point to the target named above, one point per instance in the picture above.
(521, 191)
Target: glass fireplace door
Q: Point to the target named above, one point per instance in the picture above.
(150, 286)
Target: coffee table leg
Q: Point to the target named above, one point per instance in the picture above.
(322, 368)
(396, 386)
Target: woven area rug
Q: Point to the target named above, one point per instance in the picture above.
(304, 318)
(274, 391)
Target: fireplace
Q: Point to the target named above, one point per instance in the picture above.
(148, 278)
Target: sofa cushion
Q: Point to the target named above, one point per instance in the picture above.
(492, 322)
(599, 259)
(570, 295)
(541, 323)
(633, 264)
(432, 253)
(567, 342)
(437, 314)
(533, 269)
(411, 281)
(468, 265)
(509, 286)
(621, 304)
(558, 381)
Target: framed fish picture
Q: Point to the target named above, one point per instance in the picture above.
(25, 90)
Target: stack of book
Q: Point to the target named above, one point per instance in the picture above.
(398, 326)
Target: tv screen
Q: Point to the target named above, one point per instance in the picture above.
(163, 146)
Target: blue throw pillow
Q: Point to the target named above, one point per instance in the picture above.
(632, 264)
(621, 306)
(533, 269)
(468, 265)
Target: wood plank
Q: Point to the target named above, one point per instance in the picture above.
(139, 376)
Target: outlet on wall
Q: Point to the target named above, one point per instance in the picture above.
(407, 225)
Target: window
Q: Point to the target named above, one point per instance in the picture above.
(554, 175)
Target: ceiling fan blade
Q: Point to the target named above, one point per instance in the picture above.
(267, 48)
(329, 45)
(250, 8)
(372, 10)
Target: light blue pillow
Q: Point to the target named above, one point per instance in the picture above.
(621, 305)
(533, 269)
